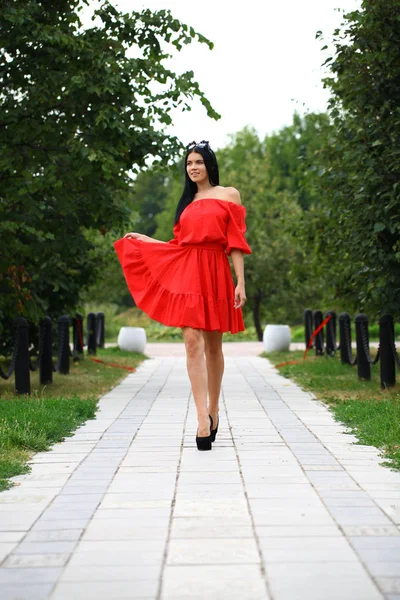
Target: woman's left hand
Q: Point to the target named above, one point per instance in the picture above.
(240, 295)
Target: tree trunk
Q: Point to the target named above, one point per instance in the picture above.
(256, 315)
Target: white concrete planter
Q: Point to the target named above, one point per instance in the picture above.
(132, 339)
(276, 338)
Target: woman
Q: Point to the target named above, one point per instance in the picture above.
(187, 282)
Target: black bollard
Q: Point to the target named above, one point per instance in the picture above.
(100, 333)
(63, 345)
(91, 333)
(362, 341)
(22, 371)
(388, 349)
(319, 338)
(45, 351)
(308, 325)
(345, 339)
(331, 333)
(77, 329)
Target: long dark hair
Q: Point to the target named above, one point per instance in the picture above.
(190, 188)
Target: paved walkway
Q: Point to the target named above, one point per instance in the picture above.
(157, 350)
(284, 507)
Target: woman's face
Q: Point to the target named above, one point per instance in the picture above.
(196, 168)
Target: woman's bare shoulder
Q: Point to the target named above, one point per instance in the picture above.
(230, 194)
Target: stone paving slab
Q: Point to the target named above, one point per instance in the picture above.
(285, 507)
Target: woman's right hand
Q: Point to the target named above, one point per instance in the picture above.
(137, 236)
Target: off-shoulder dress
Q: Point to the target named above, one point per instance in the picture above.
(188, 281)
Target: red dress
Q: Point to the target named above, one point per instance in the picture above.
(188, 281)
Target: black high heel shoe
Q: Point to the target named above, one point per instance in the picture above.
(214, 431)
(204, 443)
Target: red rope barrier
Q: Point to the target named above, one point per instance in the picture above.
(310, 343)
(316, 332)
(97, 360)
(289, 362)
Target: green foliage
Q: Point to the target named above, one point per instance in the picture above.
(152, 192)
(165, 218)
(291, 154)
(110, 286)
(357, 244)
(272, 178)
(80, 110)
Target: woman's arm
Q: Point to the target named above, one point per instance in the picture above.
(238, 265)
(143, 238)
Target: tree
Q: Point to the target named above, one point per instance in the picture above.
(291, 153)
(150, 193)
(165, 218)
(80, 110)
(359, 241)
(272, 290)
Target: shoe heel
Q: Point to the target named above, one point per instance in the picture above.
(214, 431)
(204, 443)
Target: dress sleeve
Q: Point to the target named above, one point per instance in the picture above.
(236, 229)
(176, 232)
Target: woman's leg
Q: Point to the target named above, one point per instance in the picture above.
(196, 366)
(215, 371)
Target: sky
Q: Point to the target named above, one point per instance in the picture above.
(266, 61)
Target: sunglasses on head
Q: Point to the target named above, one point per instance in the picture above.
(202, 144)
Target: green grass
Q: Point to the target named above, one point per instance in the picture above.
(372, 414)
(30, 424)
(375, 423)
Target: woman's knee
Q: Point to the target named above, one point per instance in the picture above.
(213, 345)
(194, 342)
(214, 351)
